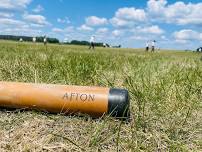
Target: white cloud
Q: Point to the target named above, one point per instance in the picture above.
(69, 29)
(181, 41)
(65, 20)
(128, 17)
(116, 22)
(117, 33)
(64, 31)
(139, 38)
(151, 30)
(26, 31)
(177, 13)
(11, 22)
(131, 13)
(156, 8)
(57, 30)
(164, 38)
(36, 19)
(38, 9)
(187, 35)
(36, 25)
(95, 21)
(14, 4)
(17, 27)
(6, 15)
(66, 40)
(102, 31)
(85, 28)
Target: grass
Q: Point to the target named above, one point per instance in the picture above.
(165, 89)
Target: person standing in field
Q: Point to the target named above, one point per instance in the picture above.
(45, 40)
(34, 39)
(147, 46)
(153, 45)
(21, 40)
(92, 42)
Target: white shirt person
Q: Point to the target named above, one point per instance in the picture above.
(92, 39)
(153, 45)
(92, 42)
(147, 46)
(45, 40)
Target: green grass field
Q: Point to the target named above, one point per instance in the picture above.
(165, 89)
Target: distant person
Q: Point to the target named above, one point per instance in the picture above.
(199, 49)
(92, 42)
(45, 40)
(21, 40)
(34, 39)
(153, 45)
(147, 46)
(105, 45)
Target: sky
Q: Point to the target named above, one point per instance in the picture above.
(130, 23)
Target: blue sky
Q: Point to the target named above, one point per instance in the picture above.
(173, 24)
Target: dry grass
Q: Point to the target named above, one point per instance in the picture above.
(165, 89)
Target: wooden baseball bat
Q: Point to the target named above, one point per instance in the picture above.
(94, 101)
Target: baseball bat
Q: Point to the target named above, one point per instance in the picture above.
(94, 101)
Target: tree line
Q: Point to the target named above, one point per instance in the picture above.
(49, 40)
(76, 42)
(28, 38)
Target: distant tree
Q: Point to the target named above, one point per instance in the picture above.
(27, 38)
(76, 42)
(119, 46)
(52, 40)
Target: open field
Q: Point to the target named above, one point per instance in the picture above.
(165, 89)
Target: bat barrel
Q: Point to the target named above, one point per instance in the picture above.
(95, 101)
